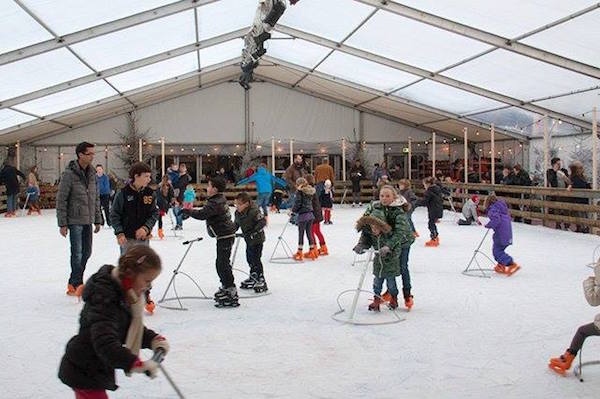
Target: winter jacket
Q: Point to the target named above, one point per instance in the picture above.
(580, 183)
(383, 266)
(34, 193)
(508, 180)
(500, 223)
(326, 198)
(323, 172)
(410, 197)
(469, 210)
(252, 222)
(77, 199)
(377, 173)
(217, 215)
(522, 179)
(304, 200)
(173, 176)
(164, 202)
(103, 184)
(189, 195)
(432, 199)
(317, 211)
(92, 355)
(591, 290)
(356, 175)
(181, 185)
(552, 178)
(395, 216)
(292, 173)
(133, 209)
(9, 177)
(264, 181)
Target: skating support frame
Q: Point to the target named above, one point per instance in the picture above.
(595, 258)
(479, 271)
(172, 283)
(289, 258)
(25, 205)
(357, 291)
(578, 370)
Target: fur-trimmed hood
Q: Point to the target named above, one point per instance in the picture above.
(308, 190)
(373, 221)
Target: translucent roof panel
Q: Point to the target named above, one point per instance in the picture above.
(576, 39)
(296, 51)
(364, 72)
(523, 122)
(40, 71)
(68, 99)
(225, 16)
(18, 29)
(333, 19)
(446, 98)
(154, 73)
(139, 41)
(10, 118)
(221, 52)
(412, 42)
(508, 18)
(577, 105)
(519, 76)
(67, 16)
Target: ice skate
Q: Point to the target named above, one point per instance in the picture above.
(230, 300)
(221, 293)
(299, 256)
(393, 304)
(500, 269)
(323, 250)
(512, 269)
(563, 363)
(434, 242)
(386, 297)
(150, 306)
(250, 282)
(312, 254)
(161, 234)
(374, 306)
(79, 290)
(261, 285)
(409, 302)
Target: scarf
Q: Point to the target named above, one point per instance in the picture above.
(135, 333)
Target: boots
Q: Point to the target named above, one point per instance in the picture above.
(79, 290)
(394, 302)
(299, 256)
(500, 269)
(434, 242)
(323, 250)
(161, 234)
(374, 306)
(70, 290)
(386, 296)
(563, 363)
(150, 306)
(512, 269)
(409, 302)
(313, 253)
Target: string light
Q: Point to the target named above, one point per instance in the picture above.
(258, 146)
(45, 149)
(172, 150)
(193, 150)
(183, 149)
(216, 149)
(235, 153)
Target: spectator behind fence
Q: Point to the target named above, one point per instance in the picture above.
(9, 176)
(578, 181)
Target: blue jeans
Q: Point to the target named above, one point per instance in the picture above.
(80, 236)
(500, 256)
(178, 215)
(131, 242)
(391, 285)
(11, 202)
(410, 221)
(404, 271)
(263, 202)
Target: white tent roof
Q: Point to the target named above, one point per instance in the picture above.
(438, 66)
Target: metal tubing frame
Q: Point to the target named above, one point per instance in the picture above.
(468, 271)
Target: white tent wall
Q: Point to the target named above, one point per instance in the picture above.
(377, 129)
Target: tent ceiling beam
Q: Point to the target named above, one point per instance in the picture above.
(124, 68)
(487, 37)
(430, 75)
(102, 29)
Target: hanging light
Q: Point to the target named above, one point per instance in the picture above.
(322, 150)
(279, 149)
(258, 146)
(193, 150)
(237, 146)
(426, 142)
(182, 149)
(45, 149)
(279, 141)
(302, 151)
(128, 146)
(453, 138)
(172, 150)
(559, 122)
(216, 149)
(235, 153)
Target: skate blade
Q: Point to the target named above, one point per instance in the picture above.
(508, 274)
(220, 305)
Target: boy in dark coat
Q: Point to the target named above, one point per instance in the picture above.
(252, 222)
(220, 226)
(432, 199)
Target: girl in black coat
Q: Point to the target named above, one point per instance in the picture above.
(111, 331)
(303, 208)
(432, 199)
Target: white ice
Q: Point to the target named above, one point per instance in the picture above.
(466, 337)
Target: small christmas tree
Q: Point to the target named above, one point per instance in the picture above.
(130, 141)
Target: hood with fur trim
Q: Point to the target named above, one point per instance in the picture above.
(308, 190)
(373, 221)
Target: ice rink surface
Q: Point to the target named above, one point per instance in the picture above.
(466, 337)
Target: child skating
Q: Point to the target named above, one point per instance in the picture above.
(220, 226)
(252, 222)
(470, 212)
(303, 210)
(432, 199)
(591, 291)
(189, 196)
(326, 200)
(111, 326)
(316, 225)
(497, 212)
(165, 196)
(411, 198)
(33, 191)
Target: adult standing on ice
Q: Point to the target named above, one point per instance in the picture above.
(77, 208)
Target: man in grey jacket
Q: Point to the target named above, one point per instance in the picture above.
(77, 208)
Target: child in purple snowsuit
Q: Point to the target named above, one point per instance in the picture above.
(497, 212)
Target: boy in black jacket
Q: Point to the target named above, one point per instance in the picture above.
(252, 222)
(220, 226)
(432, 199)
(134, 213)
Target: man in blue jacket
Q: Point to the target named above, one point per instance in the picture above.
(264, 185)
(103, 184)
